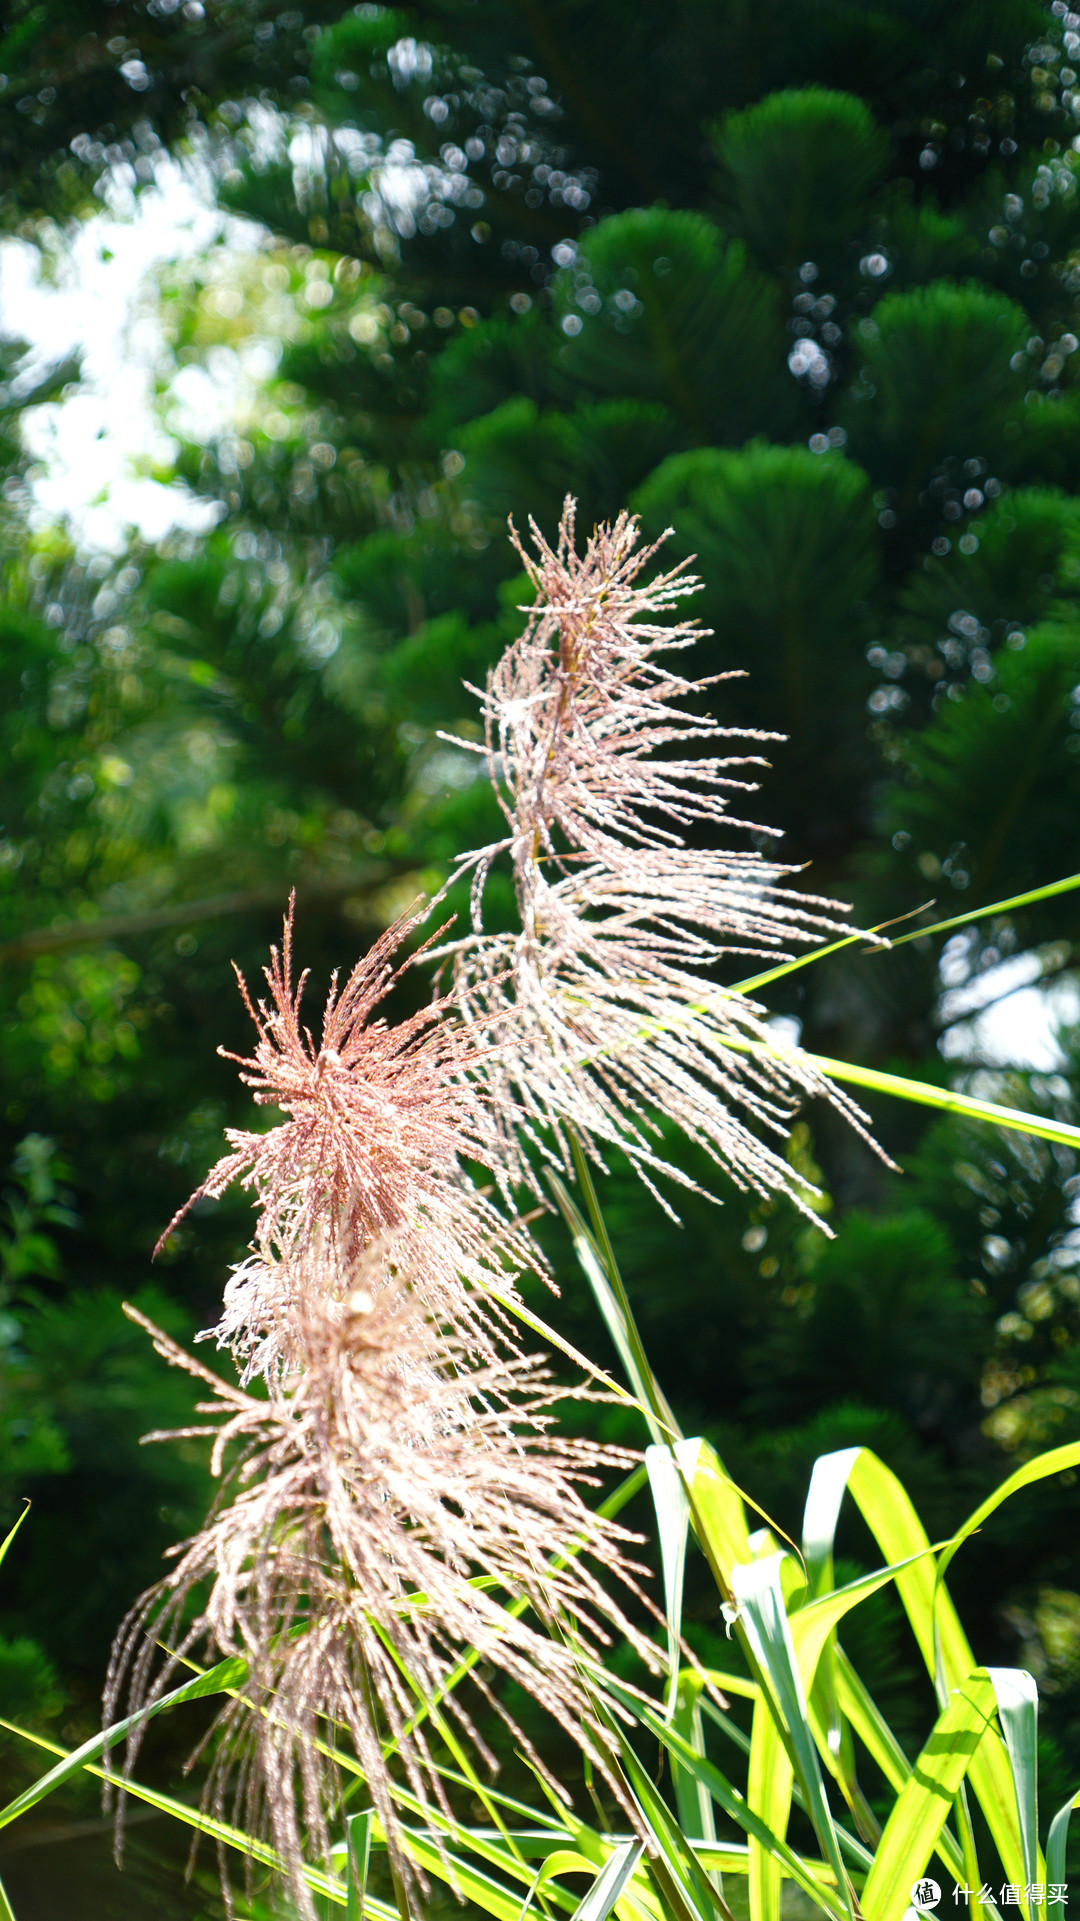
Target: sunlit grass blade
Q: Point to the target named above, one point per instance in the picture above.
(769, 1780)
(1057, 1460)
(812, 1877)
(923, 1806)
(207, 1824)
(610, 1882)
(560, 1861)
(218, 1680)
(759, 1595)
(1056, 1843)
(597, 1259)
(783, 968)
(694, 1805)
(12, 1532)
(358, 1856)
(947, 1100)
(1018, 1711)
(1030, 899)
(865, 1717)
(888, 1511)
(674, 1866)
(824, 1497)
(668, 1471)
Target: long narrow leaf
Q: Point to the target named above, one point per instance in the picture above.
(12, 1532)
(1056, 1842)
(923, 1806)
(214, 1829)
(769, 1781)
(694, 1805)
(917, 933)
(1018, 1711)
(358, 1855)
(219, 1680)
(812, 1878)
(610, 1882)
(1057, 1460)
(668, 1471)
(758, 1592)
(888, 1511)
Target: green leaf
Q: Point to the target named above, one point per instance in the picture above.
(10, 1536)
(888, 1511)
(669, 1470)
(358, 1855)
(1018, 1711)
(813, 1877)
(1056, 1842)
(1057, 1460)
(694, 1804)
(610, 1882)
(1034, 894)
(218, 1680)
(824, 1498)
(923, 1805)
(674, 1865)
(758, 1593)
(210, 1825)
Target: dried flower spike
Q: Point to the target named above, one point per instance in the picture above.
(380, 1121)
(605, 993)
(384, 1506)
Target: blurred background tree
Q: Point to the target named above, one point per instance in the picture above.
(808, 293)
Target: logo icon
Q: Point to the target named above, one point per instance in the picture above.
(925, 1896)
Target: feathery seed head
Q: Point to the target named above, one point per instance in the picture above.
(380, 1120)
(379, 1511)
(605, 994)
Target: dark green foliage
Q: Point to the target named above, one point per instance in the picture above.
(796, 174)
(995, 779)
(682, 318)
(598, 452)
(883, 1321)
(951, 345)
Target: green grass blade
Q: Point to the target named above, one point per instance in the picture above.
(1018, 1711)
(358, 1855)
(812, 1625)
(1057, 1460)
(559, 1861)
(1056, 1842)
(998, 907)
(694, 1805)
(1029, 899)
(469, 1883)
(888, 1511)
(758, 1592)
(7, 1912)
(679, 1876)
(669, 1472)
(208, 1824)
(597, 1259)
(218, 1680)
(6, 1543)
(610, 1882)
(945, 1099)
(769, 1781)
(828, 1483)
(813, 1878)
(922, 1808)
